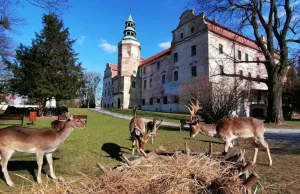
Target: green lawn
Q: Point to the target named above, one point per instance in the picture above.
(106, 137)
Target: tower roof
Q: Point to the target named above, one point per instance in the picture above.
(130, 19)
(129, 31)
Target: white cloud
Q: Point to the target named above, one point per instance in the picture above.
(109, 48)
(80, 40)
(165, 45)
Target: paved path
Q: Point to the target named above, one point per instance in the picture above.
(280, 136)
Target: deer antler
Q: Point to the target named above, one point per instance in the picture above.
(193, 107)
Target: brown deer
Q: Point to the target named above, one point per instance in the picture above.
(153, 127)
(39, 141)
(229, 129)
(137, 130)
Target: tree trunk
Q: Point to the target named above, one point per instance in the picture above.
(274, 111)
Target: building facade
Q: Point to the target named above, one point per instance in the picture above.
(200, 47)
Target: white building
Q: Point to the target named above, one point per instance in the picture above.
(199, 47)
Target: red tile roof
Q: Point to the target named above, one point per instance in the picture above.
(164, 52)
(229, 34)
(113, 66)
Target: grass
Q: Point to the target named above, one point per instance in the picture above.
(106, 138)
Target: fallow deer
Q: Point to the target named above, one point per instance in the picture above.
(137, 130)
(39, 141)
(153, 127)
(229, 129)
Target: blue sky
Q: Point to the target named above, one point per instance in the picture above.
(98, 26)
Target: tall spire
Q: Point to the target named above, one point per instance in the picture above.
(129, 32)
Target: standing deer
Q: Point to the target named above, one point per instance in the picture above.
(137, 130)
(39, 141)
(229, 129)
(153, 127)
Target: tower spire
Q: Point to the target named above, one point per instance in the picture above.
(129, 32)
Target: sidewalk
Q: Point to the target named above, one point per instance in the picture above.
(268, 130)
(130, 117)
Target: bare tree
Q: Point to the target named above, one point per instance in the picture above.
(217, 100)
(9, 20)
(279, 21)
(92, 80)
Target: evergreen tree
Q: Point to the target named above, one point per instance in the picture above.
(48, 68)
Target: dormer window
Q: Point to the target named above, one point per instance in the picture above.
(181, 35)
(192, 30)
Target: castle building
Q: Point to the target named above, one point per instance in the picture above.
(199, 47)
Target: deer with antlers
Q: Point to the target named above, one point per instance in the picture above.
(153, 127)
(229, 129)
(137, 130)
(39, 141)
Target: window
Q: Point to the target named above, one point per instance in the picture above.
(181, 35)
(258, 78)
(143, 101)
(176, 99)
(249, 74)
(158, 65)
(239, 55)
(193, 50)
(133, 84)
(158, 100)
(257, 59)
(220, 48)
(151, 101)
(194, 71)
(150, 83)
(175, 75)
(163, 79)
(192, 29)
(246, 57)
(165, 99)
(144, 70)
(241, 74)
(175, 57)
(221, 69)
(145, 84)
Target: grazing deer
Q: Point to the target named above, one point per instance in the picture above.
(58, 125)
(137, 130)
(29, 140)
(229, 129)
(153, 127)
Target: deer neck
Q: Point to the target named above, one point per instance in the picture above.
(64, 133)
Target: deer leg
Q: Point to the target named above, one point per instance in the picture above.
(50, 162)
(265, 145)
(39, 159)
(255, 150)
(133, 145)
(227, 145)
(5, 158)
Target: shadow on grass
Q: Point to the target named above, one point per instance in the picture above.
(30, 166)
(114, 150)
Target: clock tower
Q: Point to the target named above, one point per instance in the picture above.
(129, 54)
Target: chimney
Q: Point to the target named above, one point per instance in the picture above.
(215, 20)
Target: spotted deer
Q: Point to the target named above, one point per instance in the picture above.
(229, 129)
(39, 141)
(138, 134)
(153, 127)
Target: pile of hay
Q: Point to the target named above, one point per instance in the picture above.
(160, 174)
